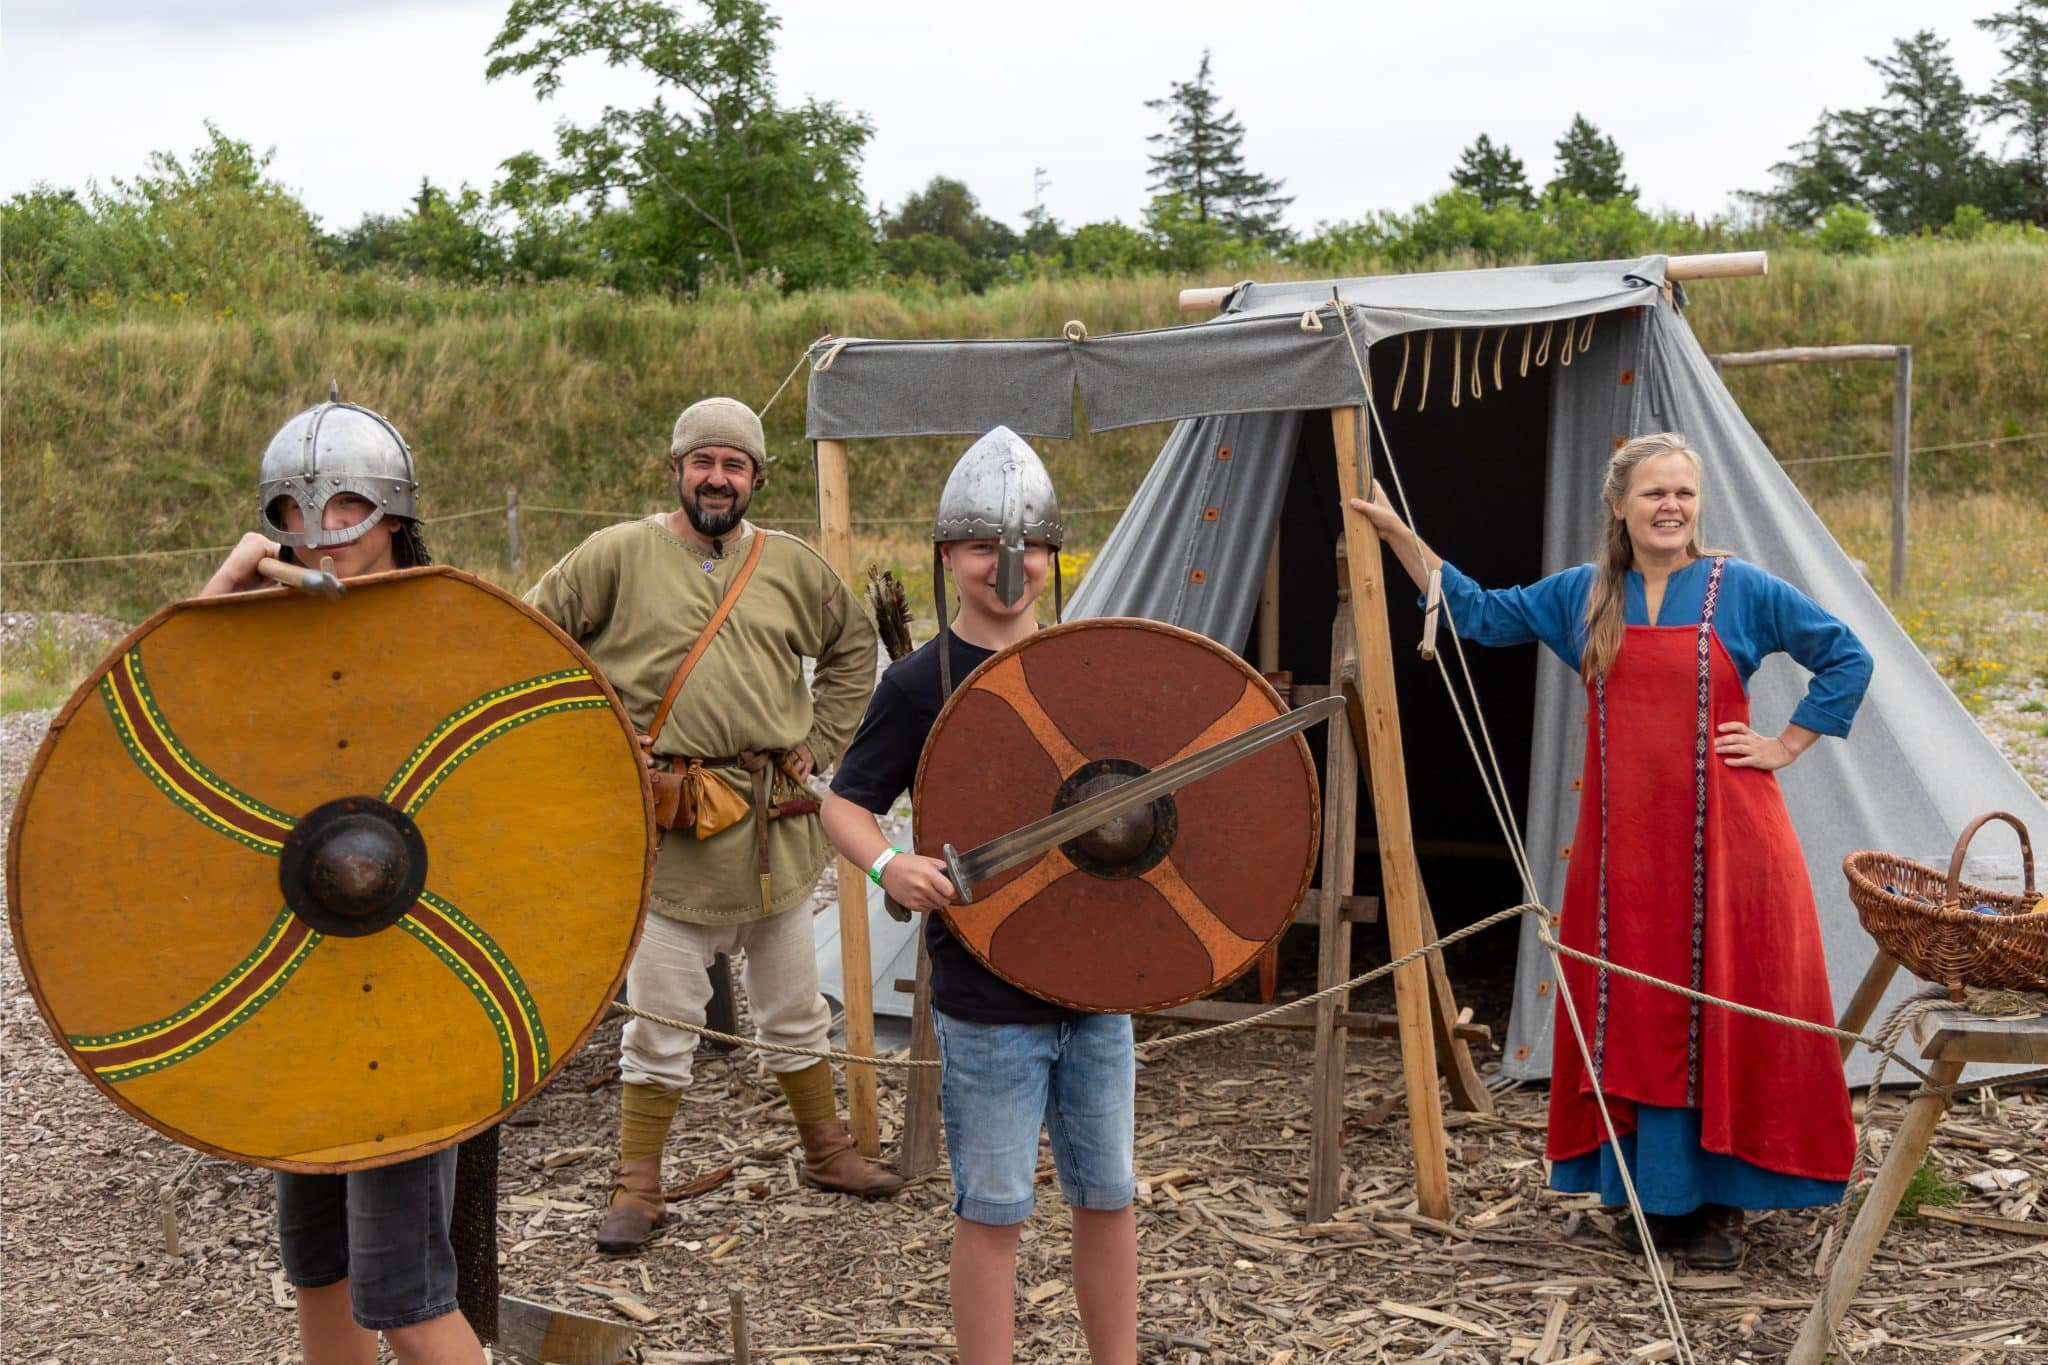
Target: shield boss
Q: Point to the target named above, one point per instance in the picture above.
(1163, 904)
(320, 884)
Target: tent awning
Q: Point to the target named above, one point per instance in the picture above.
(1281, 348)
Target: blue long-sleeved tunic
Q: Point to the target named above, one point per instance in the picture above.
(1758, 615)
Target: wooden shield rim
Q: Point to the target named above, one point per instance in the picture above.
(1280, 707)
(89, 688)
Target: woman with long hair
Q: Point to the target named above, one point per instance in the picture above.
(1685, 865)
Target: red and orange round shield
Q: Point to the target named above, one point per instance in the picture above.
(327, 884)
(1164, 904)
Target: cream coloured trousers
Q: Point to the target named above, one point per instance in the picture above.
(778, 962)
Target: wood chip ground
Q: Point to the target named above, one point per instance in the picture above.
(1227, 1270)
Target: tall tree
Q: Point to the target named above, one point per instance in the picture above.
(940, 232)
(1201, 159)
(2018, 99)
(1589, 163)
(1914, 151)
(1493, 173)
(724, 180)
(1820, 173)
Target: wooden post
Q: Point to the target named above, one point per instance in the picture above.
(512, 527)
(835, 536)
(736, 1307)
(1902, 459)
(1269, 611)
(1869, 991)
(1333, 940)
(1880, 1202)
(920, 1152)
(1400, 879)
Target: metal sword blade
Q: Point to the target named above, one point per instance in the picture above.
(983, 861)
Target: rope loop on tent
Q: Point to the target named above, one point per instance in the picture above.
(1401, 379)
(1478, 375)
(1528, 336)
(1428, 345)
(1075, 330)
(1311, 321)
(1499, 345)
(824, 362)
(1543, 351)
(1457, 360)
(1586, 333)
(1565, 352)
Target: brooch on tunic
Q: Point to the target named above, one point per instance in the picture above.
(708, 565)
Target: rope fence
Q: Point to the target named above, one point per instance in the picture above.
(513, 508)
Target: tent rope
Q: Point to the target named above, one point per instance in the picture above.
(1543, 351)
(1457, 378)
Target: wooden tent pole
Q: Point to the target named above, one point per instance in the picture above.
(1400, 879)
(1712, 265)
(835, 535)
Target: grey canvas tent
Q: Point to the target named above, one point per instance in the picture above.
(1504, 484)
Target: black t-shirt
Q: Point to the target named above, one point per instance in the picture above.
(879, 766)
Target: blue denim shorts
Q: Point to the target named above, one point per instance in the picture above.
(385, 1231)
(1000, 1083)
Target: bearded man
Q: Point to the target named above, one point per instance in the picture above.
(702, 622)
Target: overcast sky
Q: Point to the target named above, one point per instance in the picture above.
(1358, 106)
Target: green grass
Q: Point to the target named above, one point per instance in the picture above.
(1928, 1185)
(142, 432)
(44, 668)
(1976, 597)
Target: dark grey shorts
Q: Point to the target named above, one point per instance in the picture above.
(385, 1231)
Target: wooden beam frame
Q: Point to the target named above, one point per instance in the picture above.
(835, 535)
(1400, 878)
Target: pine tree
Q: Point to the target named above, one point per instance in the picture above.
(2019, 99)
(1820, 173)
(1914, 151)
(1589, 163)
(1492, 173)
(1201, 159)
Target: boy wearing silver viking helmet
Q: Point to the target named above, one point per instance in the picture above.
(369, 1251)
(702, 622)
(1012, 1064)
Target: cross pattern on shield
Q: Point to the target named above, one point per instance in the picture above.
(323, 884)
(1162, 904)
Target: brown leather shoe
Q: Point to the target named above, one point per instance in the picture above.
(637, 1206)
(1715, 1241)
(831, 1163)
(1663, 1231)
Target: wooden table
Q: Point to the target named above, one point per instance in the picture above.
(1950, 1039)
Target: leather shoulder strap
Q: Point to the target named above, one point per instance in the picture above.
(725, 605)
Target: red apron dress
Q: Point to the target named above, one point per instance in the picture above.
(1689, 870)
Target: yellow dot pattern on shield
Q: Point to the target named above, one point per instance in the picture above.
(334, 1050)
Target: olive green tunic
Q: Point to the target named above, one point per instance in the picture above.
(636, 596)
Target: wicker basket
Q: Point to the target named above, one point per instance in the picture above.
(1925, 920)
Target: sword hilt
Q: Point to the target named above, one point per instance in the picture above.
(958, 874)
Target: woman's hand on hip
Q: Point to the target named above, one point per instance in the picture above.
(1742, 747)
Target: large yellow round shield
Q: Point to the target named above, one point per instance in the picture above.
(322, 885)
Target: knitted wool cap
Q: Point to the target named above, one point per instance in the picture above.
(720, 422)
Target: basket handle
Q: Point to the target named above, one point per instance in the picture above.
(1952, 896)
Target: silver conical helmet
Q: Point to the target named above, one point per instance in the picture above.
(335, 448)
(1000, 491)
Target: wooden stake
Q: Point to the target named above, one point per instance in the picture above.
(835, 537)
(1902, 463)
(742, 1350)
(921, 1098)
(1401, 881)
(1333, 938)
(169, 1197)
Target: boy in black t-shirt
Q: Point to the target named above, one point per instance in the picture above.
(1011, 1062)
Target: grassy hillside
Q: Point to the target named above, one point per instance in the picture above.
(142, 434)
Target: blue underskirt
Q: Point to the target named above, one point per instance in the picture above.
(1673, 1174)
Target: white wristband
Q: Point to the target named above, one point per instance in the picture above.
(881, 861)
